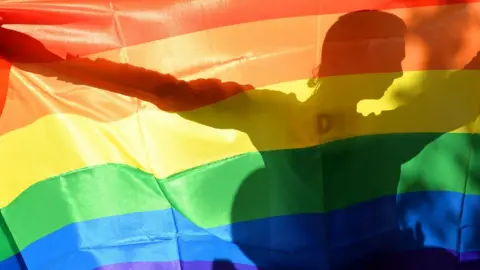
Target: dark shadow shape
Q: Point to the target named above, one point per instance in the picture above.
(223, 265)
(11, 241)
(17, 48)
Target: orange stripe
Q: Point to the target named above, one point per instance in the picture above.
(248, 60)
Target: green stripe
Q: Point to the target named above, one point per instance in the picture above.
(328, 177)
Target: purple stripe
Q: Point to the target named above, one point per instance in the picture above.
(414, 260)
(197, 265)
(427, 259)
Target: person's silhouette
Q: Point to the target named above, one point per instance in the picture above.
(317, 179)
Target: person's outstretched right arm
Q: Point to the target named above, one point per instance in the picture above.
(210, 102)
(164, 90)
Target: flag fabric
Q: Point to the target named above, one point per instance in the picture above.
(92, 179)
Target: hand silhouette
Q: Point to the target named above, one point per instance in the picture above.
(17, 47)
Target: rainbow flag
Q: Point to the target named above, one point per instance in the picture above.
(91, 178)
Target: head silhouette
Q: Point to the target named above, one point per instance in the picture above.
(359, 42)
(367, 41)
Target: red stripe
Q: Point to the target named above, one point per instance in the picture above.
(99, 25)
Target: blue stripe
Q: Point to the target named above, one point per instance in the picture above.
(386, 225)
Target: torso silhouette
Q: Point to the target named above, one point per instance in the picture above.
(336, 170)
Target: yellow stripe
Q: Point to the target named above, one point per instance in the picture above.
(163, 143)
